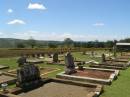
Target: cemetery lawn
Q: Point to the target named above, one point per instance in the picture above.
(119, 87)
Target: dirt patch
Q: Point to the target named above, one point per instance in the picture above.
(54, 89)
(93, 74)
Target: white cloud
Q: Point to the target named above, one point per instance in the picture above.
(10, 10)
(36, 6)
(98, 24)
(61, 36)
(16, 21)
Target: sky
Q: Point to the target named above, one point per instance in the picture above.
(80, 20)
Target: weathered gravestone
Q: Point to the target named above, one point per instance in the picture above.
(103, 58)
(55, 57)
(28, 76)
(69, 62)
(22, 60)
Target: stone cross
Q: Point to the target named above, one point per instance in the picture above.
(69, 63)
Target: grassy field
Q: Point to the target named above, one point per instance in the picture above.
(119, 88)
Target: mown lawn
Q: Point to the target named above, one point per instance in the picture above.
(119, 88)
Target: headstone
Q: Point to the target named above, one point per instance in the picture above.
(28, 75)
(55, 57)
(114, 48)
(103, 58)
(69, 62)
(21, 61)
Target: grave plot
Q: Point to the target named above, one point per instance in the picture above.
(59, 88)
(43, 71)
(3, 67)
(46, 70)
(5, 78)
(94, 75)
(54, 60)
(124, 57)
(111, 63)
(118, 60)
(30, 84)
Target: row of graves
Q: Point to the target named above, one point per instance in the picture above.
(75, 81)
(29, 82)
(117, 62)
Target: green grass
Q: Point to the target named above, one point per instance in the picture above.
(119, 87)
(81, 57)
(11, 62)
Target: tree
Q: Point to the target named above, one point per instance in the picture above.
(68, 42)
(52, 45)
(20, 45)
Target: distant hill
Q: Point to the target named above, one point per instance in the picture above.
(12, 43)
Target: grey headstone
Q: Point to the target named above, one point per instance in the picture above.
(21, 61)
(69, 63)
(55, 57)
(27, 74)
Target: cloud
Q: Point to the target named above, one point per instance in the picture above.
(36, 6)
(98, 24)
(16, 21)
(10, 10)
(61, 36)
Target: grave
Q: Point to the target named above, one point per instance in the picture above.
(58, 88)
(30, 84)
(111, 63)
(5, 78)
(43, 71)
(3, 67)
(94, 75)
